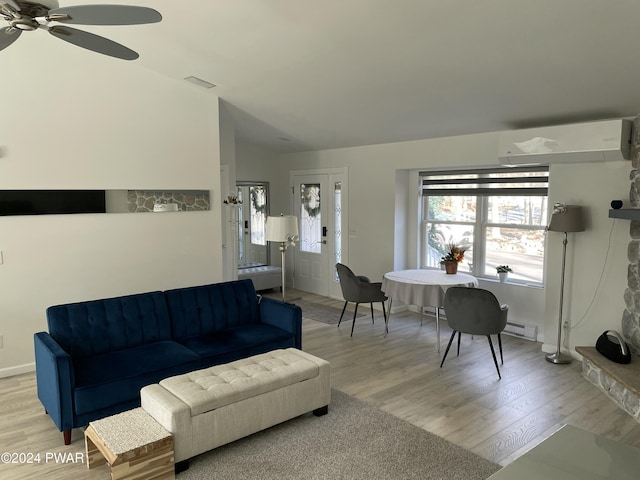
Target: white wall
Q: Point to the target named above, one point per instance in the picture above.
(381, 226)
(227, 148)
(594, 289)
(73, 119)
(257, 164)
(373, 173)
(227, 139)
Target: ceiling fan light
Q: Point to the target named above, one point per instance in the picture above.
(25, 24)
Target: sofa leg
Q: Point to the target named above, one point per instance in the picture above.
(181, 466)
(66, 434)
(318, 412)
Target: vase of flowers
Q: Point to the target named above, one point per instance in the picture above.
(451, 259)
(503, 272)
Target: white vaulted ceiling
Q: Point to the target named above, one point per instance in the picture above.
(337, 73)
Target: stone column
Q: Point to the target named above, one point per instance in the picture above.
(631, 315)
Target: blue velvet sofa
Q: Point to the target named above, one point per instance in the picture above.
(98, 354)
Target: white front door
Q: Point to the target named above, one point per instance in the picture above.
(312, 253)
(318, 204)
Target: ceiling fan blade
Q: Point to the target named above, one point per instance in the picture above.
(15, 6)
(105, 15)
(8, 35)
(92, 42)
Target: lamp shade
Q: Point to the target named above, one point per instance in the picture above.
(567, 218)
(281, 229)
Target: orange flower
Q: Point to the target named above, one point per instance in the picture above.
(455, 253)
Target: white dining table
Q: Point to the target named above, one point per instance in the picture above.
(423, 288)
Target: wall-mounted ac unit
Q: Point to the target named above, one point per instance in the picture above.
(581, 142)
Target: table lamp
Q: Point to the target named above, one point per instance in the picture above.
(282, 229)
(565, 219)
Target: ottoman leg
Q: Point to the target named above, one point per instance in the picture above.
(318, 412)
(182, 466)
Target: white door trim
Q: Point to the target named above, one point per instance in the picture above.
(335, 174)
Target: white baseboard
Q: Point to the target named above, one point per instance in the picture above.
(17, 370)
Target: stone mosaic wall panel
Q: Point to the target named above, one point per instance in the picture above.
(631, 315)
(187, 201)
(624, 398)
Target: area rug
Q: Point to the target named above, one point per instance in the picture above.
(353, 441)
(328, 314)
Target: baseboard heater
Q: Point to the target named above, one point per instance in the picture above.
(521, 330)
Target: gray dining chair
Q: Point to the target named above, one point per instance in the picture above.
(359, 289)
(475, 311)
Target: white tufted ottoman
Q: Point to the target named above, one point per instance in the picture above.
(208, 408)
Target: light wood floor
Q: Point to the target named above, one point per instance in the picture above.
(464, 402)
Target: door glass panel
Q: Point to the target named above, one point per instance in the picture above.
(258, 214)
(242, 258)
(252, 212)
(310, 218)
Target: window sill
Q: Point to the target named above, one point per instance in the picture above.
(511, 283)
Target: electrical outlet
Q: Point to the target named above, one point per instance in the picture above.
(565, 325)
(1, 342)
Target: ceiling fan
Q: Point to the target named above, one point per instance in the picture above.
(26, 16)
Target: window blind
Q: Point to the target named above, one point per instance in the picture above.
(502, 181)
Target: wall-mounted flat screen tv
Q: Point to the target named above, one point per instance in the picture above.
(48, 202)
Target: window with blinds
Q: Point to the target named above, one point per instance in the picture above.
(498, 214)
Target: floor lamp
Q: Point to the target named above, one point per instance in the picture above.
(282, 229)
(565, 219)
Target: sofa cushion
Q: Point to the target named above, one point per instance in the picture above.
(234, 343)
(116, 377)
(99, 326)
(205, 309)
